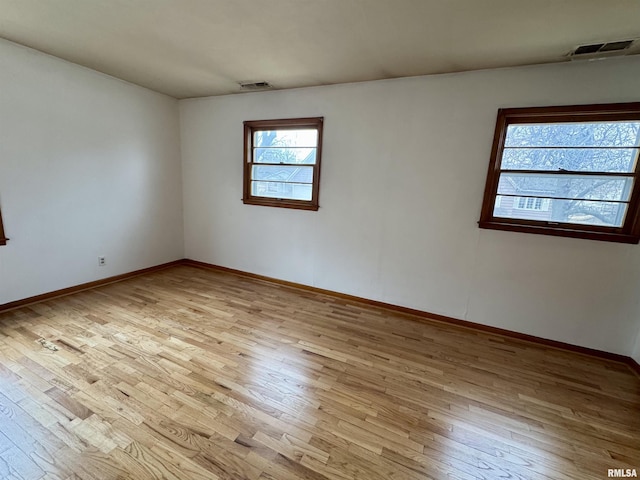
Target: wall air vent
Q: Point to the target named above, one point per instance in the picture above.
(602, 50)
(249, 86)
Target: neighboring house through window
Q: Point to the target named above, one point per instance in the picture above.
(282, 162)
(569, 171)
(529, 203)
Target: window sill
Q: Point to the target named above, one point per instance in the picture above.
(561, 232)
(275, 202)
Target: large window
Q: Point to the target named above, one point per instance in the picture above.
(282, 162)
(569, 171)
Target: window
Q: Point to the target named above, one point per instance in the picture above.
(282, 162)
(528, 203)
(569, 171)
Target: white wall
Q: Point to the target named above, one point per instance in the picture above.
(403, 173)
(89, 165)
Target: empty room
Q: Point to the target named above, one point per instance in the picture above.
(319, 239)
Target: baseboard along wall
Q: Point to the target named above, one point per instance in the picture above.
(418, 315)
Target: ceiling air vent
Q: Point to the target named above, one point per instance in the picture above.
(247, 86)
(601, 50)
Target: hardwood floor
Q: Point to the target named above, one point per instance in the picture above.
(194, 374)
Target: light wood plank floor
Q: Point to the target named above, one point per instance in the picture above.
(194, 374)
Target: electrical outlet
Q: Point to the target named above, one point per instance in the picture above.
(101, 262)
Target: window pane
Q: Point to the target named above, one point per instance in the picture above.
(587, 134)
(288, 191)
(575, 159)
(285, 155)
(286, 138)
(284, 173)
(589, 187)
(582, 212)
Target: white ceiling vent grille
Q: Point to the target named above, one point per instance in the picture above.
(251, 86)
(603, 50)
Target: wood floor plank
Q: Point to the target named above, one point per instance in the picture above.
(192, 374)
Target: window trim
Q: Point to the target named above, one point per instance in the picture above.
(630, 230)
(3, 239)
(252, 126)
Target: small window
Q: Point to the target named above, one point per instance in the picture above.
(282, 162)
(568, 171)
